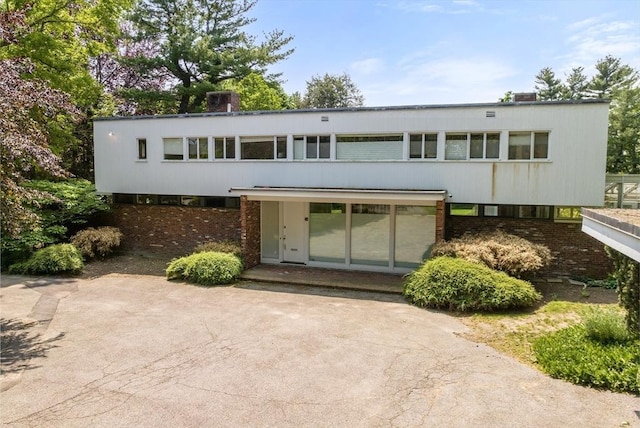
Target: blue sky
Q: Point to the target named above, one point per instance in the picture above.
(439, 52)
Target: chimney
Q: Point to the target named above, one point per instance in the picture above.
(524, 96)
(223, 102)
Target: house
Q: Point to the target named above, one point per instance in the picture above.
(369, 188)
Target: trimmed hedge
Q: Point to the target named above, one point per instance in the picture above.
(98, 242)
(55, 259)
(461, 285)
(497, 250)
(570, 354)
(206, 268)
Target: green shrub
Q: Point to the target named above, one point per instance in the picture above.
(230, 247)
(497, 250)
(206, 268)
(606, 326)
(572, 355)
(55, 259)
(461, 285)
(98, 242)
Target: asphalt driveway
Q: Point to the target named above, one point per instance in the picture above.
(125, 350)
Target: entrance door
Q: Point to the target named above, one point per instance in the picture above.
(294, 232)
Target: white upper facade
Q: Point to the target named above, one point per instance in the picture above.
(531, 153)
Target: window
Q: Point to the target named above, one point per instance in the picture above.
(198, 148)
(415, 228)
(327, 232)
(263, 147)
(455, 147)
(370, 234)
(534, 211)
(318, 147)
(173, 149)
(369, 147)
(142, 148)
(484, 146)
(470, 210)
(224, 147)
(567, 214)
(423, 146)
(520, 145)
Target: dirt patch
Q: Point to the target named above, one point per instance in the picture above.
(131, 263)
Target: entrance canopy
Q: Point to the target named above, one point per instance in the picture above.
(413, 197)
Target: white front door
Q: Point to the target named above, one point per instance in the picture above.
(293, 229)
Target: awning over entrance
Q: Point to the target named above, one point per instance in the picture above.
(414, 197)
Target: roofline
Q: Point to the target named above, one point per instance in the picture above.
(359, 109)
(338, 194)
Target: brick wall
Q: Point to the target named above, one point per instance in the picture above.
(172, 230)
(575, 253)
(250, 237)
(440, 221)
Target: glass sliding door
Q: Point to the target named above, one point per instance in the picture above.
(370, 234)
(327, 232)
(270, 230)
(415, 233)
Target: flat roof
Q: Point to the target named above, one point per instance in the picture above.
(358, 109)
(616, 228)
(263, 193)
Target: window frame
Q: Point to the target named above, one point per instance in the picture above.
(532, 147)
(142, 149)
(198, 142)
(425, 153)
(322, 141)
(278, 142)
(226, 143)
(164, 149)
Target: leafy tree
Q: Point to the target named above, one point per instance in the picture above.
(617, 82)
(59, 37)
(610, 76)
(256, 93)
(330, 91)
(201, 43)
(548, 86)
(26, 105)
(507, 97)
(577, 84)
(623, 150)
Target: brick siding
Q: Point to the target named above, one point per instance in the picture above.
(250, 237)
(574, 252)
(172, 230)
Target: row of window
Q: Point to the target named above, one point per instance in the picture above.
(522, 145)
(182, 200)
(516, 211)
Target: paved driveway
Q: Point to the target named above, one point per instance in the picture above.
(139, 351)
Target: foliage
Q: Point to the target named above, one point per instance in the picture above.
(206, 268)
(617, 82)
(497, 250)
(25, 107)
(606, 326)
(548, 86)
(627, 274)
(230, 247)
(572, 355)
(461, 285)
(55, 259)
(331, 91)
(57, 38)
(201, 43)
(57, 206)
(256, 93)
(98, 242)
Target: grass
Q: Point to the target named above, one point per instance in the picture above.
(513, 333)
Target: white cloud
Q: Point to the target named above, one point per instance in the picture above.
(367, 66)
(592, 39)
(456, 7)
(443, 81)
